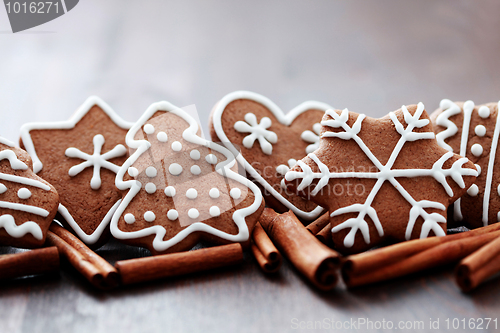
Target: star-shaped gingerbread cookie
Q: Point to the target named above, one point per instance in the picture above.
(383, 180)
(181, 187)
(80, 157)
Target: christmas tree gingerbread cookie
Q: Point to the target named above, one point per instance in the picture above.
(383, 180)
(267, 143)
(181, 187)
(473, 131)
(27, 203)
(80, 157)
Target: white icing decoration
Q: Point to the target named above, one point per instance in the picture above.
(17, 231)
(480, 130)
(285, 119)
(24, 193)
(214, 193)
(498, 189)
(283, 169)
(476, 149)
(223, 168)
(151, 171)
(214, 211)
(175, 169)
(211, 159)
(258, 132)
(169, 191)
(97, 161)
(129, 218)
(195, 154)
(478, 167)
(235, 193)
(484, 112)
(149, 129)
(162, 136)
(133, 172)
(24, 181)
(191, 193)
(172, 214)
(3, 188)
(473, 190)
(150, 188)
(15, 163)
(385, 173)
(312, 138)
(6, 142)
(176, 146)
(195, 170)
(498, 217)
(70, 124)
(491, 164)
(193, 213)
(149, 216)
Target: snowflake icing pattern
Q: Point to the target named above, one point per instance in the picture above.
(385, 173)
(96, 160)
(258, 132)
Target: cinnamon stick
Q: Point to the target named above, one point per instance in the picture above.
(108, 272)
(478, 266)
(32, 262)
(175, 264)
(319, 224)
(325, 235)
(264, 251)
(314, 260)
(370, 260)
(442, 254)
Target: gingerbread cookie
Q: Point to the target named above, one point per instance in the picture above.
(267, 143)
(27, 203)
(181, 188)
(80, 157)
(473, 131)
(386, 178)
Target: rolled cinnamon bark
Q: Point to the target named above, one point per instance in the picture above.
(478, 266)
(264, 251)
(370, 260)
(442, 254)
(325, 235)
(108, 272)
(318, 225)
(31, 262)
(317, 262)
(175, 264)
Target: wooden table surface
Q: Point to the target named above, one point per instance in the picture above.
(369, 56)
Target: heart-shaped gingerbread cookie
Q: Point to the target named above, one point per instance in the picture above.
(267, 143)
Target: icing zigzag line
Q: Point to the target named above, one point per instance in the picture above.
(17, 231)
(15, 163)
(450, 109)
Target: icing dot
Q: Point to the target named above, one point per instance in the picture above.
(162, 136)
(169, 191)
(283, 184)
(149, 129)
(176, 146)
(151, 172)
(235, 193)
(214, 211)
(149, 216)
(292, 162)
(191, 193)
(129, 218)
(498, 189)
(172, 214)
(214, 193)
(478, 167)
(473, 190)
(175, 169)
(211, 159)
(480, 130)
(150, 188)
(476, 149)
(195, 170)
(24, 193)
(193, 213)
(3, 188)
(133, 172)
(282, 169)
(195, 154)
(484, 111)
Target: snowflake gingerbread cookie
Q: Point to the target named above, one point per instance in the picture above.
(267, 143)
(81, 157)
(383, 180)
(473, 131)
(181, 187)
(27, 203)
